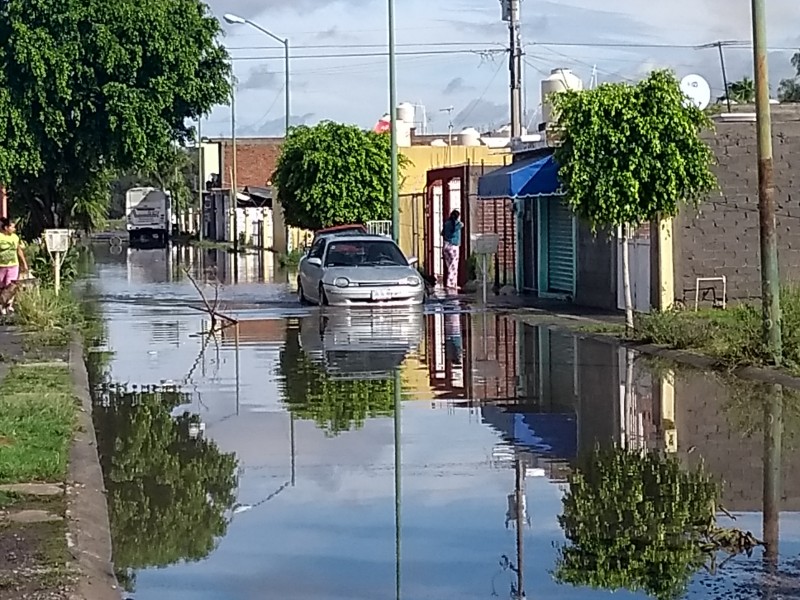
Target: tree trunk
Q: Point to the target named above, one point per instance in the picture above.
(626, 277)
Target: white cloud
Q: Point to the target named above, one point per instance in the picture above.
(355, 89)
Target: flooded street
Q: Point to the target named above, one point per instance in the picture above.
(269, 461)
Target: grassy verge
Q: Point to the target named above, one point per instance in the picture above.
(733, 335)
(49, 319)
(37, 416)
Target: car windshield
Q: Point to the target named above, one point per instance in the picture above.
(364, 253)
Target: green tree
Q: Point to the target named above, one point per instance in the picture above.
(168, 493)
(789, 90)
(88, 89)
(335, 405)
(630, 154)
(741, 92)
(635, 521)
(332, 174)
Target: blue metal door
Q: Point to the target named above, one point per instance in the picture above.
(560, 248)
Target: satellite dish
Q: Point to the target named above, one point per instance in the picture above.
(696, 90)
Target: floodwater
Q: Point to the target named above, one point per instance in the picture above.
(268, 461)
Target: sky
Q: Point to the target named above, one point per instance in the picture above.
(450, 54)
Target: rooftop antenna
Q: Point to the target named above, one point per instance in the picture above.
(593, 80)
(449, 110)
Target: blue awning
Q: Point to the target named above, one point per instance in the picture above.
(532, 177)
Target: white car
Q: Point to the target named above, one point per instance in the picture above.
(359, 270)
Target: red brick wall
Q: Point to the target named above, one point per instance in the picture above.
(256, 160)
(497, 216)
(493, 357)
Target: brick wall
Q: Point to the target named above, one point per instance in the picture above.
(493, 357)
(721, 237)
(497, 216)
(256, 159)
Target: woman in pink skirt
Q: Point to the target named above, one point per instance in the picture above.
(451, 233)
(11, 258)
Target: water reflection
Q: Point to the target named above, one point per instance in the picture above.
(168, 489)
(499, 456)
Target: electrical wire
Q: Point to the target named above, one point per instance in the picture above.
(483, 51)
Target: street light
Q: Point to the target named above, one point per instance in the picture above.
(393, 121)
(237, 20)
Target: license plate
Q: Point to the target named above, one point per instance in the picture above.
(381, 294)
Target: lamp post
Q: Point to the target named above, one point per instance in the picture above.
(393, 121)
(237, 20)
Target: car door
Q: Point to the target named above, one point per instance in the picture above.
(311, 274)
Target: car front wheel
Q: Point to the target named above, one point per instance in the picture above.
(301, 296)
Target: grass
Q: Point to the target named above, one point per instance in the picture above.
(732, 335)
(50, 319)
(37, 417)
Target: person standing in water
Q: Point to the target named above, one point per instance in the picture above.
(451, 233)
(11, 258)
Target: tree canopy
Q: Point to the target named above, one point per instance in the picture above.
(789, 90)
(630, 154)
(741, 92)
(333, 174)
(91, 88)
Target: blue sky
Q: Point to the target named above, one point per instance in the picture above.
(474, 83)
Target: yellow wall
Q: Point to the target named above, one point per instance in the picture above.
(422, 159)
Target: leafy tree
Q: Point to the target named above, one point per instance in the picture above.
(332, 174)
(167, 493)
(789, 90)
(630, 154)
(635, 521)
(741, 92)
(91, 88)
(335, 405)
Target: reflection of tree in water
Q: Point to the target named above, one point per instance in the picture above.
(167, 493)
(640, 522)
(335, 405)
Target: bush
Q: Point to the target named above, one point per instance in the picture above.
(53, 318)
(733, 335)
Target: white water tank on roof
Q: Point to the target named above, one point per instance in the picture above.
(438, 143)
(559, 80)
(469, 137)
(405, 113)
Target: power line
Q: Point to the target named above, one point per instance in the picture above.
(364, 46)
(484, 51)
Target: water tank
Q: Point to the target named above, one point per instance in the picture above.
(559, 80)
(438, 143)
(469, 137)
(405, 113)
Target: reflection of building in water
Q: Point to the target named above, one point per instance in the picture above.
(147, 266)
(250, 267)
(169, 332)
(260, 332)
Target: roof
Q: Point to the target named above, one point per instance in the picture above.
(524, 178)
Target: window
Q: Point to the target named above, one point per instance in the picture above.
(361, 253)
(317, 250)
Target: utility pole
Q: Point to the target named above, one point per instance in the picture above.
(234, 185)
(770, 280)
(200, 179)
(511, 14)
(393, 120)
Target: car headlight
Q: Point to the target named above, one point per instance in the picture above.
(341, 282)
(413, 280)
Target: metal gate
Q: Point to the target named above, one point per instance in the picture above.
(560, 248)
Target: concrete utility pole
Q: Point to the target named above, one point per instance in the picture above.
(393, 121)
(234, 172)
(201, 184)
(511, 14)
(770, 280)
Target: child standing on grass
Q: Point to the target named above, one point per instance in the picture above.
(11, 257)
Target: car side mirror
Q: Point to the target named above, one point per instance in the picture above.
(413, 261)
(314, 261)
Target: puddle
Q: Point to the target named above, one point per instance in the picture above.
(423, 455)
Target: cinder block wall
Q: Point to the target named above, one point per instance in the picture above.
(721, 236)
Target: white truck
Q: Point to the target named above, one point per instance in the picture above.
(148, 212)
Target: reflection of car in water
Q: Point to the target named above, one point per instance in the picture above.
(367, 345)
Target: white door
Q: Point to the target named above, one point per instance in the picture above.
(639, 252)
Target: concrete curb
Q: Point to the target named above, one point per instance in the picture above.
(87, 508)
